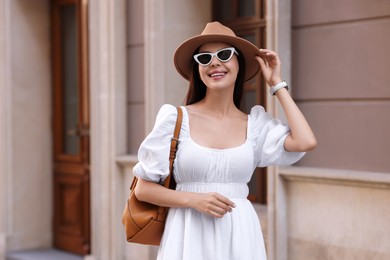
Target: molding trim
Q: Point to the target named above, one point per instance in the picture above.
(127, 160)
(375, 180)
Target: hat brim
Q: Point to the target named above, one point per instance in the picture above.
(183, 54)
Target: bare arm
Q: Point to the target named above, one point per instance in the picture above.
(302, 138)
(212, 203)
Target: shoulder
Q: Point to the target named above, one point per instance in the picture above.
(166, 111)
(261, 122)
(258, 113)
(166, 117)
(257, 109)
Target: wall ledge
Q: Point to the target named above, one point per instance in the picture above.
(336, 176)
(128, 160)
(286, 176)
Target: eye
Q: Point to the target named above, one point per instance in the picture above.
(224, 54)
(204, 58)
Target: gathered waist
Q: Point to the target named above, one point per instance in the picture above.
(229, 190)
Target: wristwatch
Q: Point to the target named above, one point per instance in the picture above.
(278, 86)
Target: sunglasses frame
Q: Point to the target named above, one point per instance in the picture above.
(215, 54)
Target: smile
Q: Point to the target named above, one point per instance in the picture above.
(218, 74)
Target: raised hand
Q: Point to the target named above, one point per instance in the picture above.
(270, 66)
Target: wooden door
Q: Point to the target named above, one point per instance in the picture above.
(71, 170)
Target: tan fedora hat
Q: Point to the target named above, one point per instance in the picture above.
(216, 32)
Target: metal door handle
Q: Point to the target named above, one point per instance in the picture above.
(82, 130)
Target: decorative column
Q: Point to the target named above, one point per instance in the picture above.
(107, 52)
(5, 125)
(154, 21)
(278, 39)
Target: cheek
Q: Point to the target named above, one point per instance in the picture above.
(236, 65)
(202, 73)
(234, 69)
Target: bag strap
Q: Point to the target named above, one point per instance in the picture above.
(174, 143)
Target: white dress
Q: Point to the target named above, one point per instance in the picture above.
(189, 234)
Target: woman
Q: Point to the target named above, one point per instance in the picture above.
(219, 148)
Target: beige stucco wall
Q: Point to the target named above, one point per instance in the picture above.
(335, 214)
(26, 173)
(340, 67)
(28, 178)
(338, 208)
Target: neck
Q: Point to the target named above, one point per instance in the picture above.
(219, 102)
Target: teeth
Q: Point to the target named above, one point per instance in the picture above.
(217, 74)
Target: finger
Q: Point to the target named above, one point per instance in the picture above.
(215, 213)
(226, 201)
(269, 55)
(266, 51)
(220, 210)
(262, 63)
(273, 57)
(222, 206)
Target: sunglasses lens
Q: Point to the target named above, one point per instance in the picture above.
(224, 55)
(204, 58)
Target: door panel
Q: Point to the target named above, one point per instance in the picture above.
(71, 216)
(72, 222)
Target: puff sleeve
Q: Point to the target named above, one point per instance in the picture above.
(153, 153)
(267, 135)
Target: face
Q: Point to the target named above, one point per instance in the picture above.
(218, 74)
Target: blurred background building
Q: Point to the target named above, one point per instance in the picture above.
(81, 82)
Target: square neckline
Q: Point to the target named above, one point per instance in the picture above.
(210, 148)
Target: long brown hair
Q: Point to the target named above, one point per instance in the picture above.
(197, 89)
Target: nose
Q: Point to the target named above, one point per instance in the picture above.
(215, 61)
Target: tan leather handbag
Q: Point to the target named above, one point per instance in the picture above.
(144, 222)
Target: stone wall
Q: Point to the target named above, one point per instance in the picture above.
(26, 206)
(340, 78)
(333, 214)
(339, 207)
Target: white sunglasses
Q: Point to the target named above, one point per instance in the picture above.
(224, 55)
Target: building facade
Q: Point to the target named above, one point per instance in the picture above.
(70, 127)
